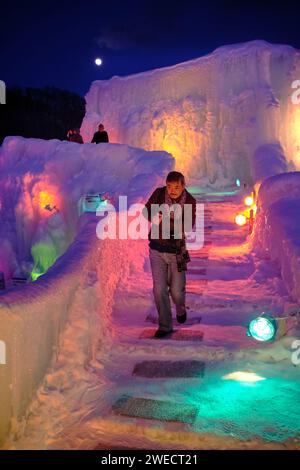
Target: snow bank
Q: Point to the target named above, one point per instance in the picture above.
(35, 174)
(268, 160)
(277, 227)
(212, 114)
(79, 288)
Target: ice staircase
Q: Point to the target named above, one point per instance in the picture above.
(160, 393)
(143, 418)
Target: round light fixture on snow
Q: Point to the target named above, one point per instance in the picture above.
(249, 201)
(263, 328)
(241, 220)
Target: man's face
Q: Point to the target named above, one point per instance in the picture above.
(175, 189)
(101, 128)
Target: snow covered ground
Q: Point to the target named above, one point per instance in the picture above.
(73, 408)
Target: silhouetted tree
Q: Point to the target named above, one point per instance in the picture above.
(46, 113)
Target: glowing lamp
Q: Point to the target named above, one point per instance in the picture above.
(241, 220)
(35, 275)
(238, 183)
(240, 376)
(93, 202)
(249, 201)
(263, 328)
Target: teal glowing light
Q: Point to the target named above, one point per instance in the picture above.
(205, 192)
(263, 328)
(264, 404)
(93, 202)
(245, 377)
(238, 183)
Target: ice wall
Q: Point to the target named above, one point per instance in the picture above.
(78, 289)
(277, 227)
(35, 174)
(211, 113)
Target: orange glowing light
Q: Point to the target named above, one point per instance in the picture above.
(241, 220)
(247, 212)
(176, 130)
(249, 201)
(45, 199)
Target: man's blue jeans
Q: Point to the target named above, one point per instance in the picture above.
(167, 280)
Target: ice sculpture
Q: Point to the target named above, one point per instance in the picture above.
(211, 113)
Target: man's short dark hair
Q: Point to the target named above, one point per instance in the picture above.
(175, 176)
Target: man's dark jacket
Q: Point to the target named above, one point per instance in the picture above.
(100, 136)
(76, 138)
(158, 197)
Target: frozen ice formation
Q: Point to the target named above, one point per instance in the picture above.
(211, 113)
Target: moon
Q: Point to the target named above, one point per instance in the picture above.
(98, 61)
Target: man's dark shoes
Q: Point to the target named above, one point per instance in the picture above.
(181, 318)
(162, 333)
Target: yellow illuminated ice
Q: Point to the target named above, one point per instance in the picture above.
(45, 197)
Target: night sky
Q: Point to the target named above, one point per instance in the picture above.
(55, 43)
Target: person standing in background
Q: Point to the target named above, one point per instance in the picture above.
(100, 136)
(74, 136)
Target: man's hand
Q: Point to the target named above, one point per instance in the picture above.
(157, 218)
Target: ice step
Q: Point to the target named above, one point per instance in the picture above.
(117, 432)
(199, 255)
(2, 281)
(177, 335)
(198, 271)
(196, 286)
(206, 244)
(167, 369)
(153, 318)
(136, 407)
